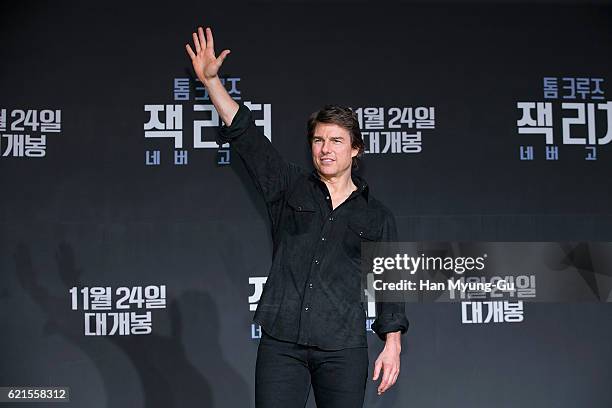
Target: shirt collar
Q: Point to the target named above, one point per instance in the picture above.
(360, 183)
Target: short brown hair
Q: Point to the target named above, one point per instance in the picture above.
(343, 117)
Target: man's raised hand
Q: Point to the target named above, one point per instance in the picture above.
(205, 64)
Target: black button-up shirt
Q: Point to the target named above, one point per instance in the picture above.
(314, 291)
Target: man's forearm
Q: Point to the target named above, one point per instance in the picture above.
(225, 105)
(394, 339)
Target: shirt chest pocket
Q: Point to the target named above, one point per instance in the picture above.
(360, 230)
(301, 215)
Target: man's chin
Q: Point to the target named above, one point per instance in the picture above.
(327, 172)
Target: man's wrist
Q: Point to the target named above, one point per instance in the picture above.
(394, 339)
(209, 82)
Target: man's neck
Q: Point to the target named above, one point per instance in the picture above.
(339, 185)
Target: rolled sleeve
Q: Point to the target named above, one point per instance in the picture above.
(390, 314)
(241, 122)
(390, 322)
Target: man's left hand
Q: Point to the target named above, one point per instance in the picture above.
(389, 362)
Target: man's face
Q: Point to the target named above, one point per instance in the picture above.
(332, 153)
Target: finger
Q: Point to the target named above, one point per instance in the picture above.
(377, 367)
(210, 43)
(222, 56)
(190, 51)
(389, 384)
(394, 378)
(384, 384)
(381, 387)
(196, 43)
(201, 37)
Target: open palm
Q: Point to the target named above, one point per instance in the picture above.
(205, 64)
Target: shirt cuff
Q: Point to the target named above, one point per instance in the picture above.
(241, 122)
(390, 322)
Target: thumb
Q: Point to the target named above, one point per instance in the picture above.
(377, 368)
(221, 57)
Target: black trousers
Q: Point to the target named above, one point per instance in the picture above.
(285, 371)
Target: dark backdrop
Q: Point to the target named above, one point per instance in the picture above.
(92, 213)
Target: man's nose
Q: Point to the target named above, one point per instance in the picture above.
(326, 146)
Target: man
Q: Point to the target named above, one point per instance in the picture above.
(311, 310)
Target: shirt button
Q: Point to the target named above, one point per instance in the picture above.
(331, 218)
(299, 208)
(322, 238)
(327, 197)
(310, 285)
(316, 261)
(306, 308)
(360, 233)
